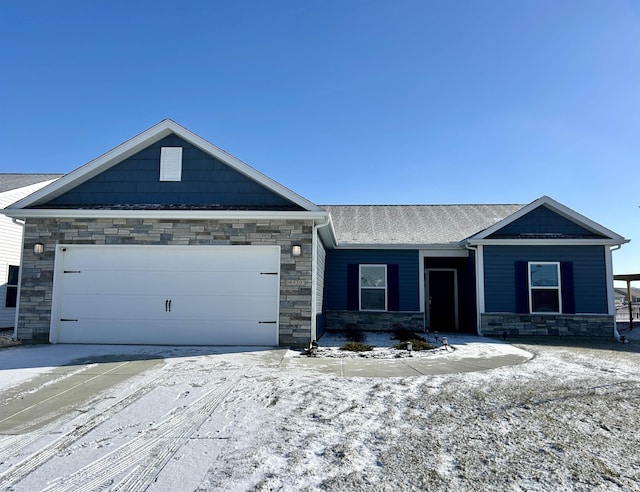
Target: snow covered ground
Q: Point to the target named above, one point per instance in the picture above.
(241, 420)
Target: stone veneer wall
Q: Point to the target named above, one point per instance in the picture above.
(374, 321)
(592, 325)
(295, 272)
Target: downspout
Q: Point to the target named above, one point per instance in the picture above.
(20, 223)
(479, 284)
(611, 304)
(314, 271)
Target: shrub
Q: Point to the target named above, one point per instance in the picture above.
(418, 344)
(356, 347)
(353, 334)
(406, 335)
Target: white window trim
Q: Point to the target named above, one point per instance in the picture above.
(369, 287)
(545, 287)
(170, 163)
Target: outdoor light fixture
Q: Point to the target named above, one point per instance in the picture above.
(296, 250)
(38, 249)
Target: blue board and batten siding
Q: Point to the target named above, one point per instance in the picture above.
(589, 275)
(205, 181)
(337, 266)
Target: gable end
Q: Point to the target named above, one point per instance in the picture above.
(205, 183)
(544, 223)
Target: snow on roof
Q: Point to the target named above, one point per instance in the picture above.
(413, 224)
(14, 181)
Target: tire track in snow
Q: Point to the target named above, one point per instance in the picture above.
(19, 471)
(12, 444)
(145, 456)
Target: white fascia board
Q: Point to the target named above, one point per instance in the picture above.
(162, 214)
(243, 168)
(445, 249)
(546, 242)
(97, 165)
(560, 209)
(143, 140)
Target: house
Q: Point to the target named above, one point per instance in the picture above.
(13, 187)
(167, 239)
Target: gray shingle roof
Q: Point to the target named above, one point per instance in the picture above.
(413, 224)
(15, 181)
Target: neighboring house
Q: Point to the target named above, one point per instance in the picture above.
(167, 239)
(14, 187)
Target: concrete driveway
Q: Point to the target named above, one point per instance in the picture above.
(65, 388)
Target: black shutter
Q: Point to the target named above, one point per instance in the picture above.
(522, 287)
(393, 288)
(353, 287)
(568, 288)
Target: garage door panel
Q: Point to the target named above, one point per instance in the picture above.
(136, 258)
(159, 283)
(219, 295)
(168, 332)
(83, 306)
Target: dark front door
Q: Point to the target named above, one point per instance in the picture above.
(441, 300)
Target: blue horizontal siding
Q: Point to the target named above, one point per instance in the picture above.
(589, 274)
(205, 181)
(337, 262)
(542, 220)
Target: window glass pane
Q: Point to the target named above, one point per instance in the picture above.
(13, 275)
(372, 299)
(545, 301)
(372, 276)
(543, 275)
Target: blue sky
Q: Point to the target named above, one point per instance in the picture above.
(346, 101)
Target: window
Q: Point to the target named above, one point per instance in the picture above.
(373, 287)
(544, 287)
(12, 287)
(170, 163)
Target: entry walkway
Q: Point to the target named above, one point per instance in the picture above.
(466, 354)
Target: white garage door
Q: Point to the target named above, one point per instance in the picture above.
(213, 295)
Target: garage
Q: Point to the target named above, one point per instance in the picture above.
(166, 295)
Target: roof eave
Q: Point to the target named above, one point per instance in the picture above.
(39, 213)
(413, 246)
(546, 242)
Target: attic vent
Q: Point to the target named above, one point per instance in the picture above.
(170, 163)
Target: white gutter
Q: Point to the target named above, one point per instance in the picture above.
(546, 242)
(479, 261)
(430, 246)
(611, 303)
(162, 214)
(314, 270)
(15, 323)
